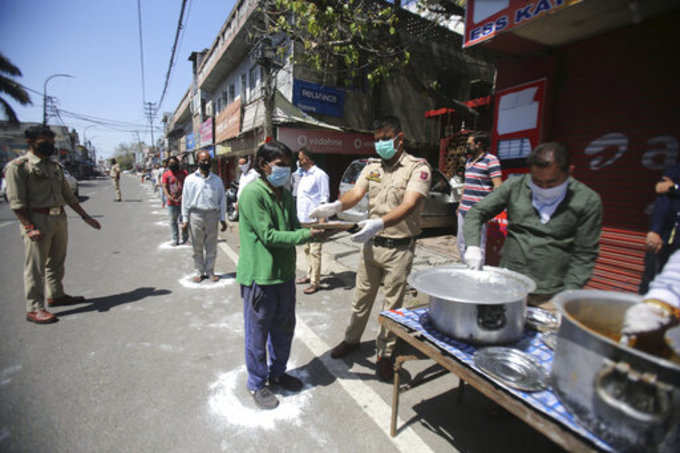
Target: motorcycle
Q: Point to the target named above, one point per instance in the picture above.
(230, 193)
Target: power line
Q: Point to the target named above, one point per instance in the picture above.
(141, 47)
(172, 54)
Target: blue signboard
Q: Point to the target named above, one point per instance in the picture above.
(314, 98)
(190, 141)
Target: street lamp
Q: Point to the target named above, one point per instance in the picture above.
(45, 93)
(85, 131)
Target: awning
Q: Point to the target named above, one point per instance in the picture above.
(284, 112)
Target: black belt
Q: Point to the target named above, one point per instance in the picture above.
(391, 243)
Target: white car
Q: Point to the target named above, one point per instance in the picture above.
(72, 182)
(439, 210)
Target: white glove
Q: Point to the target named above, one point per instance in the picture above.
(643, 318)
(369, 228)
(473, 258)
(325, 210)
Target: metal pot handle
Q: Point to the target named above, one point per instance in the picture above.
(639, 396)
(491, 317)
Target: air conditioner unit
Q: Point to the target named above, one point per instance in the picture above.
(209, 108)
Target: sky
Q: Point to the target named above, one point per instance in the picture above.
(97, 42)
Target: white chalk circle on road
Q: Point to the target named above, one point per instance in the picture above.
(223, 282)
(169, 245)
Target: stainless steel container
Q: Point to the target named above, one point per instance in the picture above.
(482, 307)
(627, 397)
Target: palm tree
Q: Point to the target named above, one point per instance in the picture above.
(12, 88)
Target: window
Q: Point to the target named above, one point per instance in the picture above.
(244, 82)
(252, 94)
(232, 93)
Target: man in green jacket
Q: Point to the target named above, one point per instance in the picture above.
(554, 224)
(269, 231)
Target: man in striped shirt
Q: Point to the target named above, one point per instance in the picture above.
(482, 176)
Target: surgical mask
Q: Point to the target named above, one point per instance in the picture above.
(279, 176)
(45, 149)
(244, 168)
(205, 165)
(547, 200)
(385, 148)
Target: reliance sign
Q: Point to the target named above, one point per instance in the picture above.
(486, 18)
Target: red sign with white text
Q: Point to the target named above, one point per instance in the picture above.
(326, 141)
(485, 18)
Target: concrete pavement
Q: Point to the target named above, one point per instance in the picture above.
(153, 362)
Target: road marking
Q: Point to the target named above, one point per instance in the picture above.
(4, 224)
(89, 194)
(369, 400)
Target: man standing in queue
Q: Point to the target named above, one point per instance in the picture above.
(37, 192)
(203, 205)
(269, 231)
(173, 183)
(554, 224)
(312, 190)
(115, 176)
(396, 184)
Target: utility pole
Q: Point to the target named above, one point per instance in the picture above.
(264, 54)
(45, 97)
(150, 111)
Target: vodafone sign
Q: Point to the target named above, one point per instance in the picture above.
(327, 142)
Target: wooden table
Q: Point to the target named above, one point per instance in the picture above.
(542, 423)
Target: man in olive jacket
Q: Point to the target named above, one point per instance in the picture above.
(554, 224)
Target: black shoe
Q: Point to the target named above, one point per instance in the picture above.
(175, 244)
(264, 398)
(287, 382)
(384, 369)
(343, 349)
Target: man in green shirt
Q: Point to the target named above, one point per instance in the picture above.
(269, 231)
(554, 224)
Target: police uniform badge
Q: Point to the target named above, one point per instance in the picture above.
(374, 176)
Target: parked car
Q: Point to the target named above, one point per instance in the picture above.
(72, 182)
(439, 210)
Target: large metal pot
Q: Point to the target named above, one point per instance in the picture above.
(482, 307)
(629, 398)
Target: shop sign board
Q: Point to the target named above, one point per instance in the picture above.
(518, 120)
(228, 122)
(486, 18)
(322, 100)
(190, 142)
(206, 132)
(327, 141)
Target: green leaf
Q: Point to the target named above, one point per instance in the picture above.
(392, 31)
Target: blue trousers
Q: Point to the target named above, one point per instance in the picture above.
(175, 213)
(269, 316)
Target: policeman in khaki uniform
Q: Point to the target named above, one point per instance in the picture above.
(115, 175)
(37, 193)
(396, 185)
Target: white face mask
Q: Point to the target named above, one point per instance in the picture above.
(547, 200)
(244, 168)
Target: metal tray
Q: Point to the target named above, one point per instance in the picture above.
(513, 368)
(336, 225)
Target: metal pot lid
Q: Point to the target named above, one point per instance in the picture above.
(513, 368)
(457, 283)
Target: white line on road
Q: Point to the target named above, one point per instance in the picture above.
(4, 224)
(367, 398)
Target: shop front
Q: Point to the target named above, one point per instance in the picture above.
(603, 87)
(227, 126)
(333, 150)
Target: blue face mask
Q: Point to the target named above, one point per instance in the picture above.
(279, 176)
(385, 148)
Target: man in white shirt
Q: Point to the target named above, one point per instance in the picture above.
(248, 175)
(203, 204)
(312, 190)
(156, 176)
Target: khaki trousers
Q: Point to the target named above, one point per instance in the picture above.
(44, 260)
(203, 231)
(391, 266)
(116, 187)
(313, 254)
